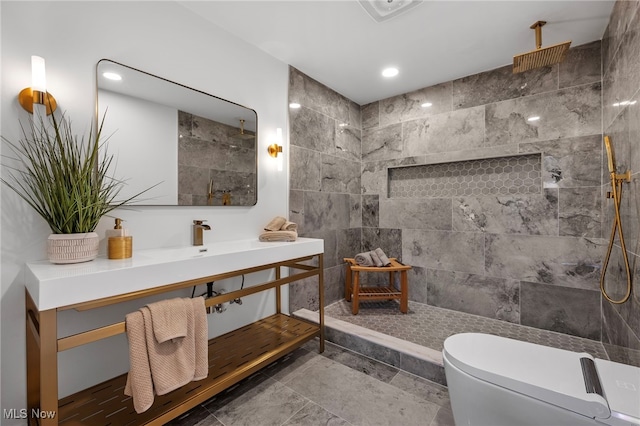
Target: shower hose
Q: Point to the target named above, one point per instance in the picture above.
(616, 195)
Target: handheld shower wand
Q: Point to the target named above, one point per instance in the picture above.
(616, 195)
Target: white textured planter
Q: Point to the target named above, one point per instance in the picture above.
(72, 248)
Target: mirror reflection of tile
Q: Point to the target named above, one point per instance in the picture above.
(215, 163)
(145, 111)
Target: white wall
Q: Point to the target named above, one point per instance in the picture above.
(146, 148)
(162, 38)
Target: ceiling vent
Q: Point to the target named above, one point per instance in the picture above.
(383, 10)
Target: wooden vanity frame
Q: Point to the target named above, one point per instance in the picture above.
(254, 346)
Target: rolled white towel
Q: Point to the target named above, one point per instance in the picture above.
(364, 259)
(376, 259)
(382, 256)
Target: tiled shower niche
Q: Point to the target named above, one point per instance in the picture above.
(517, 174)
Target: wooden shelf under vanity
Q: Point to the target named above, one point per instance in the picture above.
(232, 356)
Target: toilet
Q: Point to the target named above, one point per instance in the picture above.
(495, 381)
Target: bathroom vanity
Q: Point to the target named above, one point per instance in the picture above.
(102, 282)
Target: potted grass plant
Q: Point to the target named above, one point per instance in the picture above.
(67, 180)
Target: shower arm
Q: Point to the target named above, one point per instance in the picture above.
(537, 27)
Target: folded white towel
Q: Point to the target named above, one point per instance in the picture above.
(382, 256)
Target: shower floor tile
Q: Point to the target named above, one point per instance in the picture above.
(429, 326)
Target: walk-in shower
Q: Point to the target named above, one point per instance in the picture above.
(616, 194)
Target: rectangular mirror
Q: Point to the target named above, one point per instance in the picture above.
(201, 149)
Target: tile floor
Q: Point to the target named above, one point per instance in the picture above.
(341, 387)
(429, 326)
(337, 387)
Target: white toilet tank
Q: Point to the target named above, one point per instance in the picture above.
(498, 381)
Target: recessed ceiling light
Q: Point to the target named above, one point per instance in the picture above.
(426, 105)
(112, 76)
(294, 105)
(390, 72)
(533, 118)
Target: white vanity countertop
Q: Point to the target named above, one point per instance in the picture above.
(52, 286)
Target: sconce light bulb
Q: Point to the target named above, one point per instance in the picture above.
(38, 75)
(37, 94)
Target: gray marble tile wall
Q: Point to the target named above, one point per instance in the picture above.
(208, 154)
(531, 259)
(621, 115)
(526, 257)
(325, 180)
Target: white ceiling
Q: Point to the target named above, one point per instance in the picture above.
(340, 45)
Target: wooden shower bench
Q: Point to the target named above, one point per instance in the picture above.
(354, 293)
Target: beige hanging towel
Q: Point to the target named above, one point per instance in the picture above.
(201, 336)
(139, 384)
(159, 368)
(169, 318)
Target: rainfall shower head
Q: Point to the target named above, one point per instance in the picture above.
(542, 56)
(242, 134)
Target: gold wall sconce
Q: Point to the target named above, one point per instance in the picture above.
(276, 148)
(37, 93)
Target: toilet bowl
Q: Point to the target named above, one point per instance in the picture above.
(496, 381)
